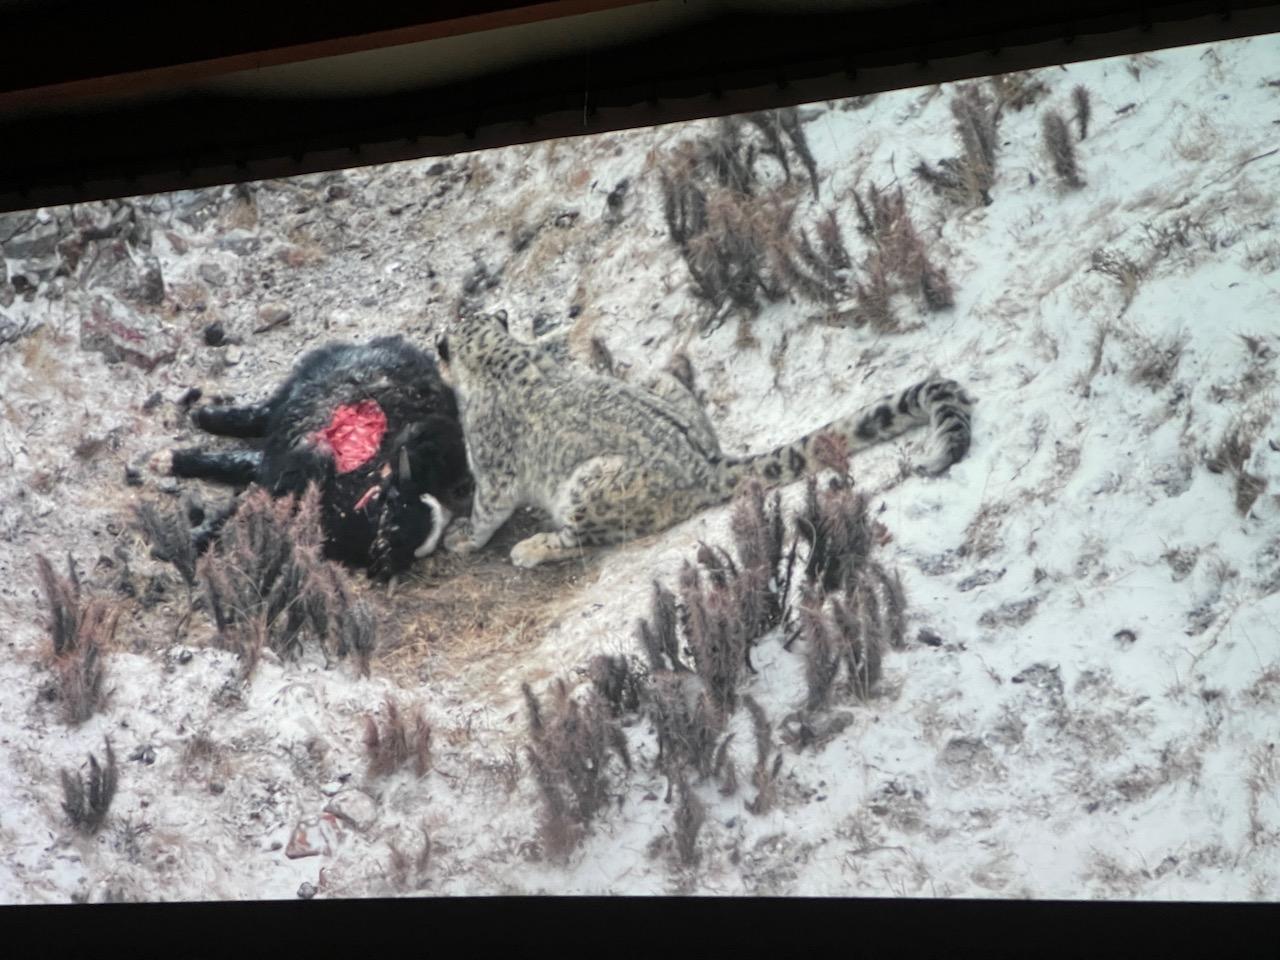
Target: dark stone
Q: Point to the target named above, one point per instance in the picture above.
(149, 287)
(336, 191)
(190, 396)
(132, 476)
(436, 169)
(928, 638)
(37, 240)
(574, 311)
(152, 401)
(212, 274)
(214, 335)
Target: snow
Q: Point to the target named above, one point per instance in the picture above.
(1047, 755)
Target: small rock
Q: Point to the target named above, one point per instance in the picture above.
(928, 637)
(233, 356)
(436, 169)
(152, 401)
(575, 311)
(306, 891)
(146, 755)
(149, 287)
(332, 788)
(273, 314)
(214, 335)
(212, 274)
(336, 191)
(354, 807)
(37, 240)
(240, 246)
(132, 476)
(566, 219)
(216, 788)
(121, 335)
(184, 656)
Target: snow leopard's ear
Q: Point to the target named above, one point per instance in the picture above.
(442, 348)
(501, 317)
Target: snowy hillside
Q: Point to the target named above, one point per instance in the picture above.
(1086, 702)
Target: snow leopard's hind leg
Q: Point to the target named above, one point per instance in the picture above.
(607, 500)
(675, 385)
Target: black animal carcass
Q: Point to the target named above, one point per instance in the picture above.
(373, 426)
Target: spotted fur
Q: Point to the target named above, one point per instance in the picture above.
(609, 460)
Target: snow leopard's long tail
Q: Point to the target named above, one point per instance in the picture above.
(941, 403)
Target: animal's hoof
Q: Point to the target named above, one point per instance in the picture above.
(161, 462)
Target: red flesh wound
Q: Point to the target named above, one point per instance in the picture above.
(355, 433)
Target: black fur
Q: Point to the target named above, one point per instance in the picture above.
(422, 451)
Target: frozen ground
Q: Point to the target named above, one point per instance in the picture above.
(1099, 719)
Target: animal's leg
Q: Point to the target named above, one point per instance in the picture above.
(607, 500)
(238, 467)
(212, 525)
(493, 504)
(227, 421)
(675, 385)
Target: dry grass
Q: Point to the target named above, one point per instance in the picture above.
(569, 749)
(475, 616)
(86, 802)
(1061, 149)
(898, 262)
(967, 180)
(1230, 456)
(404, 735)
(79, 635)
(1155, 360)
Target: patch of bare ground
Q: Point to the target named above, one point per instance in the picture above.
(476, 614)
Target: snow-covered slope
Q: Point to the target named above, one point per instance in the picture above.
(1099, 719)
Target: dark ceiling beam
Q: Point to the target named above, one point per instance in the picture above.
(64, 50)
(730, 64)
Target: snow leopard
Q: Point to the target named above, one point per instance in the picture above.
(609, 460)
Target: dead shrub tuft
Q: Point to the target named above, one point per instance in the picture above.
(689, 816)
(765, 775)
(392, 744)
(568, 752)
(1080, 97)
(850, 608)
(896, 263)
(737, 230)
(169, 534)
(837, 528)
(617, 682)
(1017, 91)
(267, 584)
(409, 871)
(967, 180)
(78, 637)
(1231, 455)
(687, 724)
(1156, 360)
(86, 803)
(1061, 149)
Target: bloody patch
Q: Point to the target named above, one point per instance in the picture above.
(355, 433)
